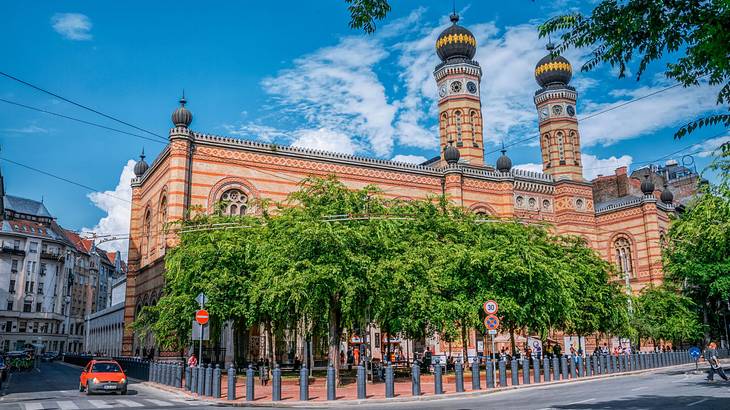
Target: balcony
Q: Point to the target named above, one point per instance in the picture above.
(54, 256)
(13, 250)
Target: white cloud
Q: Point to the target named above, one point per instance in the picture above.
(117, 210)
(710, 146)
(594, 166)
(530, 166)
(28, 129)
(251, 130)
(73, 26)
(670, 108)
(410, 159)
(325, 140)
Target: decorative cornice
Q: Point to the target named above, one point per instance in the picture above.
(566, 92)
(138, 181)
(631, 202)
(458, 66)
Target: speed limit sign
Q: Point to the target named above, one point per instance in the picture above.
(490, 307)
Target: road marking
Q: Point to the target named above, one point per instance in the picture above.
(66, 405)
(190, 402)
(160, 403)
(579, 402)
(639, 388)
(33, 406)
(130, 403)
(100, 404)
(697, 402)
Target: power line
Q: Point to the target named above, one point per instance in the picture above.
(79, 104)
(63, 179)
(80, 120)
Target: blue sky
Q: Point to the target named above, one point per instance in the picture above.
(292, 72)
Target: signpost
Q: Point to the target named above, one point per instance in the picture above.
(491, 322)
(695, 352)
(201, 316)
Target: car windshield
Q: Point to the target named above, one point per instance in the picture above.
(105, 368)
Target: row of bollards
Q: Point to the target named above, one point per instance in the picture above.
(205, 380)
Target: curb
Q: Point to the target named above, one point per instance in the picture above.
(403, 399)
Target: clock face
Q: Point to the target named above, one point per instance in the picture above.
(472, 87)
(442, 91)
(557, 109)
(456, 86)
(544, 112)
(570, 110)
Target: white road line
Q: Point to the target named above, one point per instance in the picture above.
(579, 402)
(33, 406)
(697, 402)
(190, 402)
(100, 404)
(639, 388)
(160, 403)
(130, 403)
(66, 405)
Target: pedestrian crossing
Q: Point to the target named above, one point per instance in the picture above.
(82, 404)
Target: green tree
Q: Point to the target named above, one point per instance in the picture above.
(364, 13)
(662, 313)
(693, 35)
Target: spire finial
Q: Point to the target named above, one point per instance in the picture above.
(142, 156)
(454, 17)
(504, 151)
(183, 101)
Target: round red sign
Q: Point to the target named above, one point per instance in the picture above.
(201, 316)
(490, 307)
(491, 322)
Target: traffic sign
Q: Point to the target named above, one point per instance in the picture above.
(201, 299)
(695, 352)
(492, 332)
(490, 307)
(201, 316)
(491, 322)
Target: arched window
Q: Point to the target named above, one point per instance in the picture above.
(234, 202)
(622, 246)
(561, 147)
(474, 123)
(576, 148)
(162, 220)
(546, 149)
(148, 231)
(444, 124)
(457, 117)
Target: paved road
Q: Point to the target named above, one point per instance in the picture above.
(56, 386)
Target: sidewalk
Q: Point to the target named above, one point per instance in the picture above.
(347, 394)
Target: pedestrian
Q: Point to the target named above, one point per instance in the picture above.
(192, 360)
(711, 357)
(342, 358)
(264, 374)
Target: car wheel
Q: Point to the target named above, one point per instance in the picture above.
(81, 387)
(124, 392)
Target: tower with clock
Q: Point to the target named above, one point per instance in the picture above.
(555, 102)
(460, 108)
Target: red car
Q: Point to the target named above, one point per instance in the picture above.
(103, 375)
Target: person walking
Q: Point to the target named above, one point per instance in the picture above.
(711, 357)
(264, 373)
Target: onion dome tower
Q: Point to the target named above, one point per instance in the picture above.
(141, 166)
(458, 80)
(451, 154)
(555, 103)
(667, 196)
(647, 185)
(182, 117)
(504, 163)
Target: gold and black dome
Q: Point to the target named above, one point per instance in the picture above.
(455, 42)
(553, 70)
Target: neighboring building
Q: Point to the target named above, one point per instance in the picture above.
(34, 272)
(196, 171)
(104, 329)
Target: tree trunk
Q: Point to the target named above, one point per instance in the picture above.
(334, 336)
(706, 322)
(512, 340)
(464, 351)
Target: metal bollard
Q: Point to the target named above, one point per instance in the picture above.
(193, 380)
(178, 375)
(331, 380)
(546, 369)
(188, 375)
(556, 368)
(581, 367)
(643, 361)
(209, 380)
(536, 369)
(624, 363)
(571, 366)
(276, 384)
(476, 384)
(416, 378)
(152, 372)
(438, 387)
(564, 367)
(166, 374)
(389, 381)
(502, 373)
(490, 374)
(201, 380)
(525, 371)
(614, 364)
(361, 388)
(232, 383)
(514, 364)
(217, 381)
(250, 383)
(605, 364)
(304, 384)
(459, 373)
